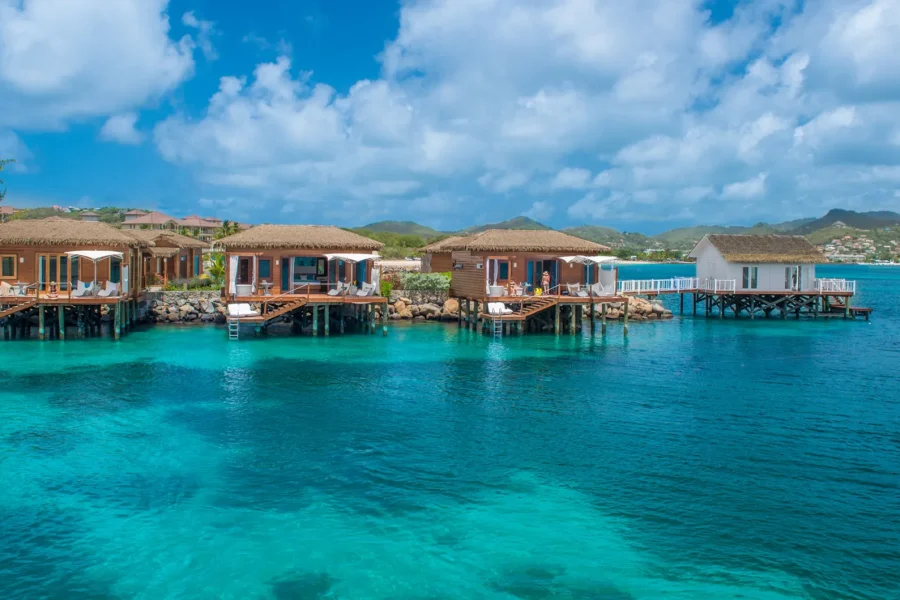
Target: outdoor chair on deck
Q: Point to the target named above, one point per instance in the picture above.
(574, 289)
(598, 290)
(83, 290)
(368, 289)
(339, 289)
(6, 289)
(241, 310)
(112, 289)
(498, 308)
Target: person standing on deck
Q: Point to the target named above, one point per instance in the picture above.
(545, 282)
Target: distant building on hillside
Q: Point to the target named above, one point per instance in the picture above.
(767, 263)
(6, 212)
(133, 214)
(90, 216)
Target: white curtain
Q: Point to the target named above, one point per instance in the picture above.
(232, 274)
(253, 280)
(291, 280)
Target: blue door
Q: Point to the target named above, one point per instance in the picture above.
(529, 273)
(196, 265)
(286, 275)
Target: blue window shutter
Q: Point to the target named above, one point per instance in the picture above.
(529, 272)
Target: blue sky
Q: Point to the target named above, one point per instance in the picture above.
(641, 115)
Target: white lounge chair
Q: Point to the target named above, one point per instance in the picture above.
(574, 289)
(597, 290)
(112, 289)
(83, 290)
(368, 289)
(498, 308)
(6, 289)
(242, 310)
(338, 289)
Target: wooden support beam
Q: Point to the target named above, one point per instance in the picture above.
(571, 319)
(327, 319)
(593, 316)
(603, 318)
(315, 327)
(556, 319)
(681, 298)
(62, 321)
(625, 319)
(41, 322)
(117, 317)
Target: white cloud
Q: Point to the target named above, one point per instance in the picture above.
(121, 129)
(502, 100)
(571, 179)
(61, 61)
(751, 188)
(205, 31)
(540, 210)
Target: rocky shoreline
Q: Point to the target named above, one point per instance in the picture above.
(208, 307)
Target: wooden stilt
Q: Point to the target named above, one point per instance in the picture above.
(603, 318)
(459, 314)
(694, 299)
(625, 319)
(593, 317)
(116, 318)
(556, 319)
(571, 319)
(315, 329)
(41, 323)
(62, 322)
(327, 319)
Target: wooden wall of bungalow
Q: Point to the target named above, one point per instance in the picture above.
(20, 264)
(469, 280)
(437, 262)
(274, 268)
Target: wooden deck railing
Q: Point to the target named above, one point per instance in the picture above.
(835, 285)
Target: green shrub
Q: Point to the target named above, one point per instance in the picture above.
(425, 282)
(387, 287)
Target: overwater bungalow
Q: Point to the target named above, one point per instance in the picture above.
(757, 275)
(527, 280)
(299, 273)
(70, 271)
(172, 256)
(437, 257)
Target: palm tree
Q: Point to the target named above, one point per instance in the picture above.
(217, 268)
(227, 228)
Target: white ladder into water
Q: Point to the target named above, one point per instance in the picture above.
(234, 328)
(497, 326)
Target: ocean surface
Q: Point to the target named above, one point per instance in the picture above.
(694, 459)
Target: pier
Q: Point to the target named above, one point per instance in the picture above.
(46, 317)
(716, 297)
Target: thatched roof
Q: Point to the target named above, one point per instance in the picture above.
(792, 249)
(308, 237)
(163, 252)
(65, 232)
(524, 240)
(442, 245)
(155, 235)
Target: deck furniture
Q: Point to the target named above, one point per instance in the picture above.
(242, 310)
(368, 289)
(111, 289)
(83, 290)
(6, 289)
(496, 291)
(266, 287)
(575, 289)
(498, 308)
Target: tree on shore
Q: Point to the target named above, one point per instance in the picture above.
(227, 228)
(4, 162)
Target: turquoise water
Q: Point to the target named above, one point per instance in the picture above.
(693, 460)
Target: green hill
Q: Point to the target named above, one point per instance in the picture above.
(611, 237)
(400, 228)
(851, 218)
(514, 223)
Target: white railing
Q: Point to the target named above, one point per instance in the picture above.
(651, 286)
(835, 285)
(717, 286)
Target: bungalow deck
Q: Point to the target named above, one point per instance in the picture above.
(556, 313)
(56, 314)
(827, 298)
(309, 311)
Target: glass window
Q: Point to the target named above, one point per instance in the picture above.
(750, 278)
(115, 270)
(265, 268)
(504, 270)
(74, 268)
(8, 266)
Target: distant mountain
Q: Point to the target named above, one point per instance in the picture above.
(401, 228)
(851, 218)
(515, 223)
(611, 237)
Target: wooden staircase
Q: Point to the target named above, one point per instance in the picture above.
(532, 308)
(285, 309)
(18, 308)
